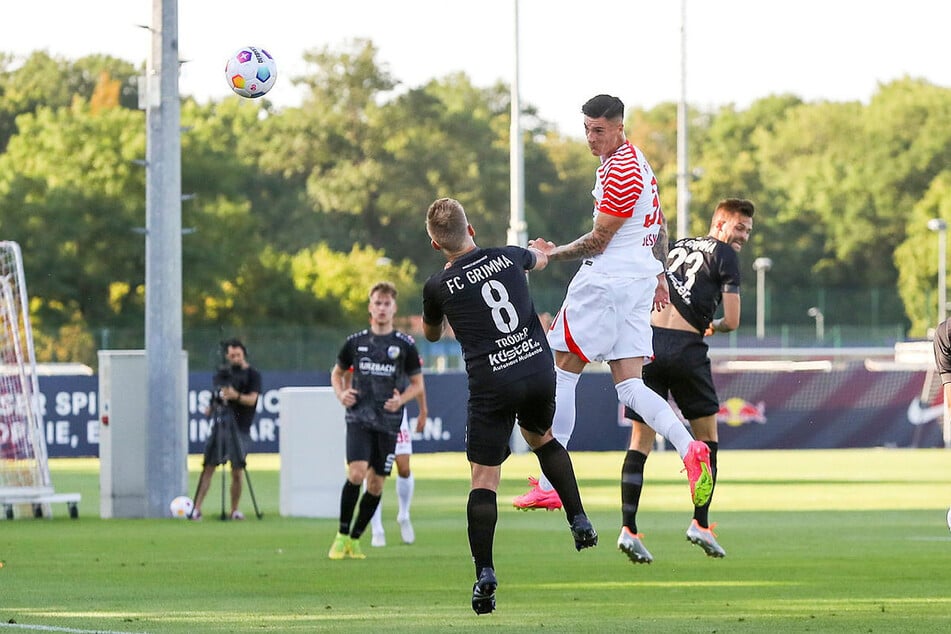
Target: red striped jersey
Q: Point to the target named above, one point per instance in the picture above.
(625, 186)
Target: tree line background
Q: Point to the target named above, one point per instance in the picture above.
(293, 213)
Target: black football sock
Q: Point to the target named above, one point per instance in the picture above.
(348, 502)
(702, 513)
(632, 482)
(556, 465)
(368, 504)
(482, 511)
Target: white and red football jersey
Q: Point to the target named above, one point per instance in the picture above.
(625, 186)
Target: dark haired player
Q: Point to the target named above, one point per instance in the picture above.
(483, 294)
(702, 273)
(605, 316)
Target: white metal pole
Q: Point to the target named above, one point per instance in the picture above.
(683, 181)
(517, 232)
(166, 451)
(942, 273)
(761, 265)
(760, 303)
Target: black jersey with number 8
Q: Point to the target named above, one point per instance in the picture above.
(484, 296)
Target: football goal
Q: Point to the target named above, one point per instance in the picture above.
(25, 486)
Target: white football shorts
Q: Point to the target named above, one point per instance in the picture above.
(604, 318)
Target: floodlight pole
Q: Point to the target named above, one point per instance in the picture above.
(518, 230)
(683, 180)
(165, 448)
(941, 227)
(761, 265)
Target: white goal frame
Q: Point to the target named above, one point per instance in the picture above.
(25, 483)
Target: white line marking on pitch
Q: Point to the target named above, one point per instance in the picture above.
(51, 628)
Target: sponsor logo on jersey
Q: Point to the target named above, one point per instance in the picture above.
(515, 354)
(368, 366)
(680, 288)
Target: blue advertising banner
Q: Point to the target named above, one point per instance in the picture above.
(847, 407)
(71, 413)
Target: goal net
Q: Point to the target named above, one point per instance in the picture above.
(23, 459)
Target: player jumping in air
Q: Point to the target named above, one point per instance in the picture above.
(606, 312)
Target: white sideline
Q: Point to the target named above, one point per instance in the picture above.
(52, 628)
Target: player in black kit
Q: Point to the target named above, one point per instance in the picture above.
(702, 273)
(483, 294)
(387, 374)
(941, 346)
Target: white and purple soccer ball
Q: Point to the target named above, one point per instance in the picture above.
(181, 507)
(251, 72)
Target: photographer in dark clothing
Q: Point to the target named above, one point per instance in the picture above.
(237, 386)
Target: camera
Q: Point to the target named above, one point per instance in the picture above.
(226, 375)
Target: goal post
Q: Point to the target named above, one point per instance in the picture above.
(24, 468)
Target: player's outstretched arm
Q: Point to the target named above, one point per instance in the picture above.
(592, 243)
(541, 259)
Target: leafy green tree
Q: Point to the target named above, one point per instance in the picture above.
(42, 80)
(345, 279)
(72, 196)
(223, 191)
(291, 214)
(371, 162)
(917, 257)
(725, 160)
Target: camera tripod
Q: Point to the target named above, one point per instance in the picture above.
(225, 427)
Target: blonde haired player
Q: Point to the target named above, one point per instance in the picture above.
(482, 293)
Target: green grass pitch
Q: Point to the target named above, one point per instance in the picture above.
(816, 541)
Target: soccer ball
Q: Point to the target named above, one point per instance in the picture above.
(251, 72)
(949, 518)
(181, 507)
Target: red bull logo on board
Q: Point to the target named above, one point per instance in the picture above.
(736, 411)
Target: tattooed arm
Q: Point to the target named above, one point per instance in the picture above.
(591, 243)
(662, 292)
(662, 244)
